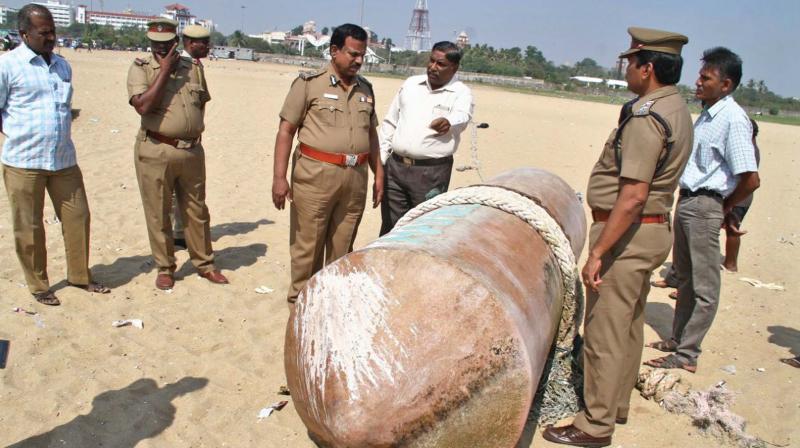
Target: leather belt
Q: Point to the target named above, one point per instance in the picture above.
(347, 160)
(422, 162)
(686, 193)
(171, 141)
(602, 216)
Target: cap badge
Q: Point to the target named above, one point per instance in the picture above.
(160, 28)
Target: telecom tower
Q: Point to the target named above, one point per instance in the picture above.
(419, 31)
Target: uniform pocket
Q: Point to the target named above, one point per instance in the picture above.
(198, 94)
(364, 114)
(328, 112)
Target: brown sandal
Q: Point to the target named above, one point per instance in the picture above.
(47, 298)
(92, 287)
(673, 362)
(667, 346)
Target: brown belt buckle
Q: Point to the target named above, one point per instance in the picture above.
(408, 160)
(351, 160)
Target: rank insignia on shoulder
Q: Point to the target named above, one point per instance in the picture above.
(645, 108)
(139, 61)
(308, 75)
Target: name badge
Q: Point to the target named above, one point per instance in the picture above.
(331, 96)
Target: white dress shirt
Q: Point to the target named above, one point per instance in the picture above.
(723, 149)
(406, 128)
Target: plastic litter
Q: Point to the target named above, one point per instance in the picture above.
(267, 411)
(138, 323)
(760, 284)
(264, 290)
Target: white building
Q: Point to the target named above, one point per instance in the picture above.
(128, 18)
(206, 23)
(4, 12)
(63, 14)
(180, 14)
(272, 37)
(115, 19)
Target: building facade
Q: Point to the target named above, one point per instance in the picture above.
(116, 20)
(180, 14)
(63, 14)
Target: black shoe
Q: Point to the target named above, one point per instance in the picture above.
(180, 243)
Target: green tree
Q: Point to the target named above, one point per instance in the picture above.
(218, 39)
(325, 31)
(237, 39)
(296, 31)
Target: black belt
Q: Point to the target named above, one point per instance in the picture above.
(422, 162)
(686, 193)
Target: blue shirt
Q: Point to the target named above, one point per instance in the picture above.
(723, 149)
(35, 102)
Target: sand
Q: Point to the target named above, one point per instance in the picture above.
(210, 357)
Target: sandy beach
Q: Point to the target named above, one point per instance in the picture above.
(210, 357)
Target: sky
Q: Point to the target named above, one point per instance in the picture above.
(566, 32)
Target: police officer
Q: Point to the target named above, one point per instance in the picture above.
(170, 93)
(196, 45)
(333, 113)
(630, 193)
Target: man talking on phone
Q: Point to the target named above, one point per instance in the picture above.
(170, 93)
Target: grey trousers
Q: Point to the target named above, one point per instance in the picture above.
(696, 258)
(406, 186)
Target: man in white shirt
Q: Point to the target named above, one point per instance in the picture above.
(721, 172)
(421, 132)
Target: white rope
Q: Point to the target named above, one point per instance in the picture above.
(541, 221)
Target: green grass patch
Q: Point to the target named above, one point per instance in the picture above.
(779, 119)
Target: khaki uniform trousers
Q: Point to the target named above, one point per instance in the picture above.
(160, 170)
(25, 189)
(614, 325)
(327, 204)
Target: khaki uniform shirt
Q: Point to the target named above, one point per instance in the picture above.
(331, 117)
(642, 146)
(180, 113)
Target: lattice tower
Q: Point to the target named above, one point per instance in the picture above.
(419, 30)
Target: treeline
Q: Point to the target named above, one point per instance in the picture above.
(756, 95)
(513, 62)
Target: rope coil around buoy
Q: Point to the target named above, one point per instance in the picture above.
(559, 398)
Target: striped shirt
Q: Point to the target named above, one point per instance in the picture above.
(723, 149)
(35, 102)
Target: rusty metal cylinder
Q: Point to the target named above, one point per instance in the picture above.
(437, 333)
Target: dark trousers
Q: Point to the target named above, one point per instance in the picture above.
(406, 186)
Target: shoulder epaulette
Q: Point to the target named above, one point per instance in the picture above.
(364, 80)
(644, 109)
(305, 76)
(140, 61)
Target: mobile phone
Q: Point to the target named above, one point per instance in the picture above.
(4, 345)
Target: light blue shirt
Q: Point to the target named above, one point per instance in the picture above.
(35, 102)
(723, 149)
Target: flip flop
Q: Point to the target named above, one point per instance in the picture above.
(672, 362)
(661, 284)
(92, 287)
(664, 346)
(47, 298)
(794, 362)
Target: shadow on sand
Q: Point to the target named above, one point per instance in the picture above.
(120, 418)
(785, 337)
(659, 317)
(124, 269)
